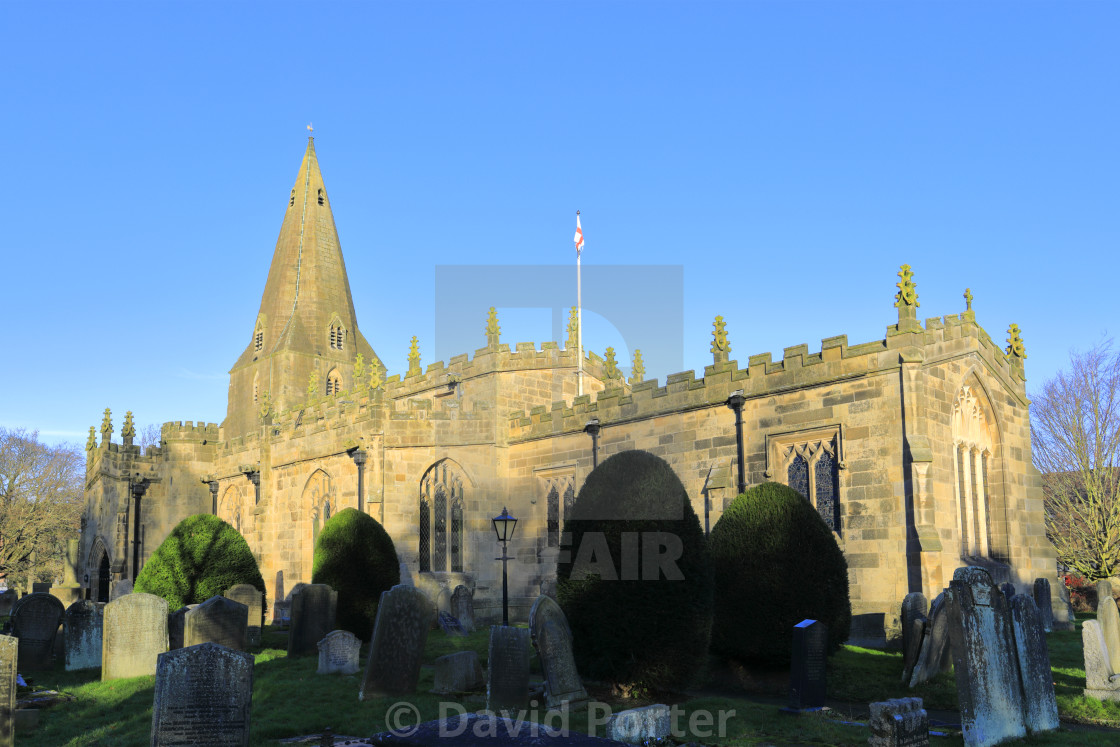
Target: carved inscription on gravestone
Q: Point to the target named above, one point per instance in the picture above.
(203, 695)
(217, 620)
(507, 683)
(399, 634)
(807, 672)
(82, 636)
(134, 634)
(35, 621)
(338, 653)
(1039, 703)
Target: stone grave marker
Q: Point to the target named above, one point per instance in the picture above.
(176, 626)
(217, 620)
(1008, 589)
(636, 725)
(1109, 618)
(120, 588)
(39, 587)
(133, 635)
(313, 615)
(462, 607)
(807, 672)
(338, 653)
(507, 683)
(203, 695)
(450, 625)
(1039, 704)
(1101, 681)
(399, 634)
(548, 587)
(914, 621)
(82, 636)
(899, 723)
(460, 672)
(253, 598)
(35, 621)
(8, 598)
(9, 654)
(1044, 603)
(984, 659)
(552, 638)
(443, 601)
(934, 653)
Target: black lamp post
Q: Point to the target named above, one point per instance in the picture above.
(592, 428)
(503, 527)
(735, 402)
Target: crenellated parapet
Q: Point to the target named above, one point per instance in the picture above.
(189, 431)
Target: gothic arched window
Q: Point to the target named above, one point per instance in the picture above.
(809, 462)
(334, 382)
(973, 449)
(442, 521)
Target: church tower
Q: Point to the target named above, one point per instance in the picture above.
(306, 329)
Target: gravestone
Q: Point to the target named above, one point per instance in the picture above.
(82, 636)
(1040, 707)
(35, 621)
(9, 654)
(120, 588)
(462, 607)
(1008, 590)
(203, 695)
(40, 588)
(217, 620)
(807, 677)
(449, 624)
(460, 672)
(1043, 601)
(507, 682)
(443, 601)
(1109, 619)
(313, 613)
(253, 598)
(636, 725)
(934, 654)
(133, 635)
(399, 634)
(406, 576)
(176, 626)
(548, 587)
(914, 621)
(280, 605)
(338, 653)
(552, 638)
(1101, 681)
(984, 659)
(899, 723)
(8, 598)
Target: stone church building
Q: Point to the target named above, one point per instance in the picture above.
(915, 448)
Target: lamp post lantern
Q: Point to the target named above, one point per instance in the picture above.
(504, 524)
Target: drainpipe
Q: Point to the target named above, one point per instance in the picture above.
(593, 429)
(735, 402)
(360, 460)
(138, 489)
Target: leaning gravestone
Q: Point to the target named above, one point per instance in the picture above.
(82, 636)
(399, 634)
(1043, 601)
(462, 607)
(203, 695)
(217, 620)
(913, 629)
(553, 640)
(1039, 704)
(313, 615)
(899, 723)
(9, 653)
(252, 598)
(807, 672)
(1101, 682)
(8, 597)
(460, 672)
(507, 683)
(1109, 618)
(984, 659)
(35, 621)
(934, 653)
(134, 634)
(120, 589)
(338, 653)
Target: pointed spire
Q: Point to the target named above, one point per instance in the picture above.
(637, 368)
(106, 427)
(493, 331)
(720, 346)
(611, 366)
(414, 358)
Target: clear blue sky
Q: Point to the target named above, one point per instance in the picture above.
(788, 157)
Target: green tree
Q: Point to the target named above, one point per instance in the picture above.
(355, 556)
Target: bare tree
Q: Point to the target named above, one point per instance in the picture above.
(1076, 444)
(40, 504)
(149, 435)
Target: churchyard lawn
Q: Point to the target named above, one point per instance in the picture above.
(289, 699)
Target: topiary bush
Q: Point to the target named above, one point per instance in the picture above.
(356, 557)
(632, 625)
(776, 564)
(202, 557)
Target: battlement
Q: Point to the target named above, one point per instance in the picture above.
(178, 430)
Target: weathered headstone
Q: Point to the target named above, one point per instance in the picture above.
(462, 607)
(35, 621)
(9, 654)
(1101, 681)
(120, 588)
(899, 723)
(406, 576)
(443, 601)
(1008, 590)
(217, 620)
(338, 653)
(176, 626)
(313, 614)
(1109, 618)
(1039, 704)
(914, 621)
(934, 653)
(203, 695)
(507, 683)
(39, 587)
(134, 634)
(1044, 603)
(253, 598)
(553, 640)
(636, 725)
(82, 636)
(807, 671)
(460, 672)
(984, 659)
(280, 605)
(548, 587)
(8, 598)
(450, 625)
(399, 634)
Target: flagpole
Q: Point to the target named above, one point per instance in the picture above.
(579, 321)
